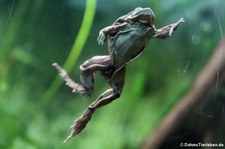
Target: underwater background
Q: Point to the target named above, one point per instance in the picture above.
(36, 108)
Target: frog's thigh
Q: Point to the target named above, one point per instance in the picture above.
(96, 63)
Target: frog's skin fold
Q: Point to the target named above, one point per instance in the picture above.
(126, 38)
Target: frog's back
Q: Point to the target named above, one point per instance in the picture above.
(128, 43)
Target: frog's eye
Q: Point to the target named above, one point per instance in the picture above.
(152, 19)
(138, 9)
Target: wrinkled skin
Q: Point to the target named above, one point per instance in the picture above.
(127, 38)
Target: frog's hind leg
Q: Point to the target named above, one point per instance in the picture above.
(108, 96)
(69, 82)
(88, 68)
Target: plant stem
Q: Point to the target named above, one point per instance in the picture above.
(75, 51)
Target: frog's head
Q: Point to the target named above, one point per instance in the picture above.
(143, 15)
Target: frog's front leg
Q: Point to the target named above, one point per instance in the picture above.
(107, 31)
(108, 96)
(168, 30)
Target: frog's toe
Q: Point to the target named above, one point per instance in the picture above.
(181, 20)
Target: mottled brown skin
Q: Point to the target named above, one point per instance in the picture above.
(127, 38)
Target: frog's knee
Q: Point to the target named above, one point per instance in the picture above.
(89, 62)
(82, 67)
(117, 94)
(88, 93)
(85, 65)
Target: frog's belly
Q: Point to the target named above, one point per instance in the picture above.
(127, 47)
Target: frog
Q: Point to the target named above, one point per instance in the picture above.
(126, 38)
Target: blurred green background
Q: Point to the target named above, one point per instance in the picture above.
(36, 109)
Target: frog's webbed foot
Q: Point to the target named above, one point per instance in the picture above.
(76, 88)
(80, 123)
